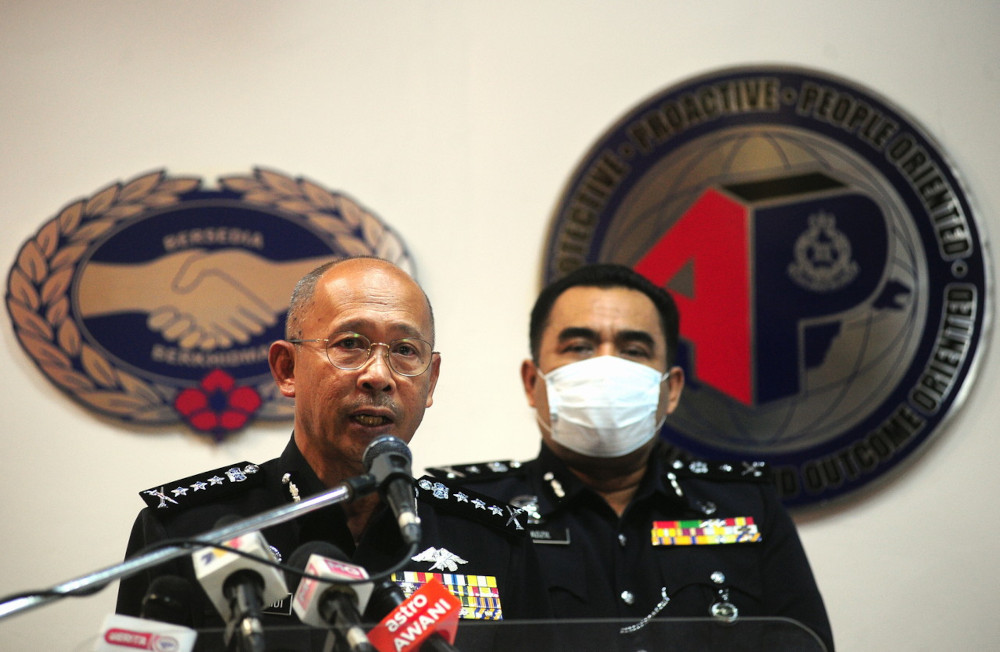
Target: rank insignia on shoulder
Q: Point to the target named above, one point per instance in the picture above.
(480, 471)
(203, 487)
(461, 501)
(478, 594)
(717, 531)
(742, 471)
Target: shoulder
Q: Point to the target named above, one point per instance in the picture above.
(223, 483)
(449, 497)
(757, 472)
(479, 472)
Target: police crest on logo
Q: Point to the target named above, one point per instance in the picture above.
(826, 261)
(155, 300)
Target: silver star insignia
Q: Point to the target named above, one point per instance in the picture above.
(496, 510)
(216, 480)
(461, 497)
(179, 491)
(199, 486)
(479, 504)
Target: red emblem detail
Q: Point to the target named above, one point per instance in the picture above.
(217, 406)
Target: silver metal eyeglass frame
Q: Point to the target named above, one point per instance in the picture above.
(370, 348)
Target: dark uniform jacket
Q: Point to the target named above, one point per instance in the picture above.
(473, 539)
(597, 565)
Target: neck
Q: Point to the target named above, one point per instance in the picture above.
(333, 469)
(616, 480)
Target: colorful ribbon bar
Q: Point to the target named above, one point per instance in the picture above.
(478, 593)
(741, 529)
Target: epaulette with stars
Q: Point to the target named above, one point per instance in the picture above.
(721, 471)
(204, 487)
(480, 471)
(461, 501)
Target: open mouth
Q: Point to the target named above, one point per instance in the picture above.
(371, 420)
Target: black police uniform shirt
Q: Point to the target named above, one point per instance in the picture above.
(463, 534)
(599, 565)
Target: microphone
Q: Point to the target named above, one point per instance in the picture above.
(388, 459)
(165, 622)
(386, 597)
(239, 586)
(429, 615)
(332, 604)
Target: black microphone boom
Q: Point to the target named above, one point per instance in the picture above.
(388, 459)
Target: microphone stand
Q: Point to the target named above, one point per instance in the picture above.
(95, 581)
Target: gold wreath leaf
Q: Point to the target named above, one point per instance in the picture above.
(68, 337)
(72, 380)
(135, 387)
(48, 238)
(33, 262)
(29, 321)
(92, 230)
(296, 206)
(371, 228)
(160, 199)
(259, 196)
(43, 351)
(114, 402)
(179, 185)
(389, 249)
(279, 182)
(69, 254)
(330, 224)
(58, 311)
(239, 184)
(69, 218)
(57, 284)
(124, 211)
(97, 367)
(354, 247)
(317, 195)
(350, 211)
(22, 290)
(99, 203)
(140, 186)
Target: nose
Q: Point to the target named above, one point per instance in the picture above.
(605, 348)
(375, 372)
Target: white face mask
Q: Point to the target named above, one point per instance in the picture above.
(603, 406)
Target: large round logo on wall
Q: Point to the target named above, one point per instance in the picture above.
(825, 259)
(154, 301)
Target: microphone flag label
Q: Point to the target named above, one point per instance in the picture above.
(432, 608)
(129, 633)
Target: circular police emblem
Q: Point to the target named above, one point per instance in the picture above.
(825, 259)
(156, 300)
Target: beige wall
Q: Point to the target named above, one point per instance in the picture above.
(457, 122)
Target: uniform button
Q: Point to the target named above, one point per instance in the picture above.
(622, 539)
(627, 597)
(718, 577)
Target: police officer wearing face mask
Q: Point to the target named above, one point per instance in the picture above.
(615, 513)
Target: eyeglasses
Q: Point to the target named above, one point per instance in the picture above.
(408, 356)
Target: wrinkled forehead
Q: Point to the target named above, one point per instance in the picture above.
(605, 310)
(365, 294)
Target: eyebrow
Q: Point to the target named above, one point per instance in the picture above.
(360, 325)
(627, 336)
(574, 332)
(641, 337)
